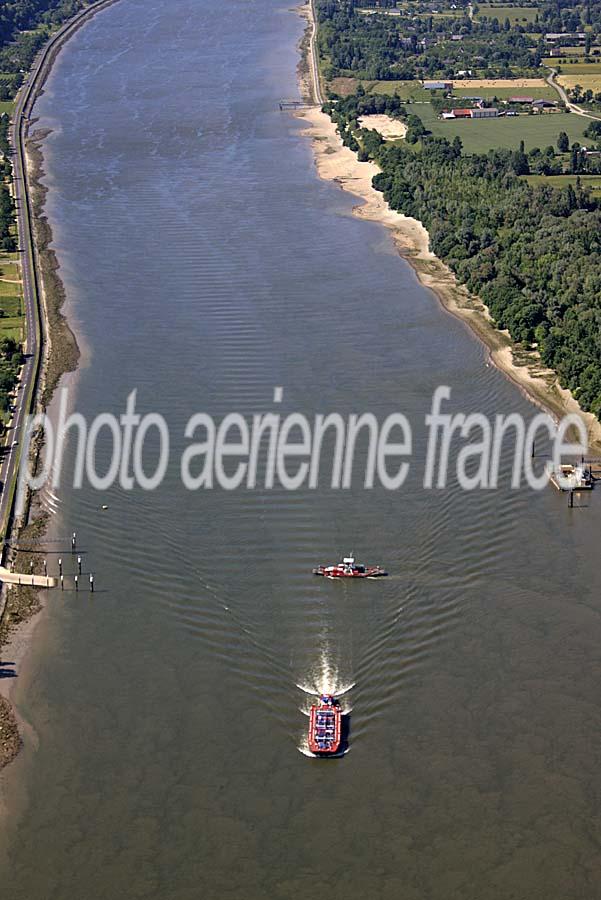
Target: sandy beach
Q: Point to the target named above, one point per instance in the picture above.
(338, 163)
(390, 129)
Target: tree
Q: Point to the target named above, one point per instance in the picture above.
(563, 142)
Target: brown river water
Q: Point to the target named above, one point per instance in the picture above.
(205, 264)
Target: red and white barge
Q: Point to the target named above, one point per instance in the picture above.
(348, 568)
(325, 726)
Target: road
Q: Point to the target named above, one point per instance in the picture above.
(12, 452)
(25, 400)
(313, 57)
(550, 79)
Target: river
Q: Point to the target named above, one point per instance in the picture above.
(205, 264)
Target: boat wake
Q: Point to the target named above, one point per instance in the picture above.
(325, 679)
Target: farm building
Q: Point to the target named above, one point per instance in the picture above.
(521, 100)
(483, 113)
(438, 85)
(469, 114)
(574, 37)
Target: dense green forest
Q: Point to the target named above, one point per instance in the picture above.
(19, 42)
(404, 47)
(7, 206)
(416, 44)
(532, 253)
(11, 360)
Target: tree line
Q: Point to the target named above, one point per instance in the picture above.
(7, 207)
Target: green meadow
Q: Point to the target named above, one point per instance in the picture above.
(481, 135)
(12, 321)
(518, 14)
(591, 181)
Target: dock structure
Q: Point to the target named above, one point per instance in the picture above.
(571, 478)
(27, 579)
(294, 104)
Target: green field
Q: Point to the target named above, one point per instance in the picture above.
(481, 135)
(7, 289)
(11, 305)
(513, 13)
(10, 270)
(412, 90)
(566, 54)
(591, 181)
(12, 323)
(537, 93)
(12, 328)
(6, 106)
(407, 90)
(580, 68)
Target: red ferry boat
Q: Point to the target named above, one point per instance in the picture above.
(325, 726)
(349, 569)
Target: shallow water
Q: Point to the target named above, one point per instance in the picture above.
(205, 264)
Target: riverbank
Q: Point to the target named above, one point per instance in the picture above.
(60, 355)
(338, 163)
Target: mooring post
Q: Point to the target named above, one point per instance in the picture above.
(31, 566)
(45, 568)
(60, 566)
(62, 583)
(76, 582)
(91, 583)
(73, 542)
(571, 499)
(79, 564)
